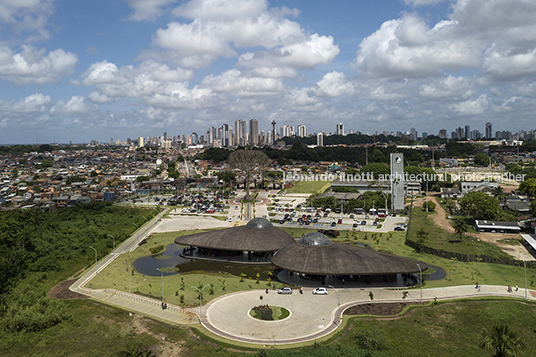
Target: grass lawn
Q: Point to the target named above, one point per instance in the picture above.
(309, 187)
(441, 239)
(115, 276)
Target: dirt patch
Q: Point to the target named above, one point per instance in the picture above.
(166, 348)
(61, 291)
(383, 309)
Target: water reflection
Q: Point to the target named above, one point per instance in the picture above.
(170, 262)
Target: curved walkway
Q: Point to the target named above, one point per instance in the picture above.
(315, 316)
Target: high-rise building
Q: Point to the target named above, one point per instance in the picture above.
(283, 131)
(413, 134)
(339, 130)
(194, 138)
(226, 139)
(141, 142)
(489, 132)
(254, 132)
(240, 133)
(467, 133)
(320, 139)
(211, 135)
(302, 131)
(442, 133)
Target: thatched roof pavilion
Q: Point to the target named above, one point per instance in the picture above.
(315, 254)
(258, 235)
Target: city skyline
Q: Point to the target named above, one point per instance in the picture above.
(81, 71)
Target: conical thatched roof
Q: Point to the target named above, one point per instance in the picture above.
(259, 235)
(316, 255)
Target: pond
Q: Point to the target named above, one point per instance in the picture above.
(170, 262)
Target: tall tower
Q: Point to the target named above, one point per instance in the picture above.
(254, 132)
(302, 131)
(273, 132)
(339, 129)
(397, 182)
(489, 131)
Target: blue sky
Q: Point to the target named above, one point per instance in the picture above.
(74, 70)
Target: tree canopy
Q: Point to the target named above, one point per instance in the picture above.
(480, 206)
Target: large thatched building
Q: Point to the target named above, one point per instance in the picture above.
(314, 255)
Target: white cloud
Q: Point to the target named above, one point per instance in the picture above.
(409, 48)
(219, 28)
(233, 82)
(32, 66)
(306, 54)
(35, 103)
(471, 107)
(147, 9)
(450, 88)
(76, 105)
(27, 16)
(334, 84)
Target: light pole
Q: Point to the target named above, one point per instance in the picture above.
(129, 274)
(421, 278)
(136, 225)
(200, 298)
(161, 272)
(95, 254)
(525, 265)
(338, 304)
(113, 239)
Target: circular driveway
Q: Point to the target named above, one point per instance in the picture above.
(311, 317)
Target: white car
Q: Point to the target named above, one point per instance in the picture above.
(320, 291)
(286, 290)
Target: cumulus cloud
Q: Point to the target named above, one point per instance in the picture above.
(35, 103)
(233, 82)
(76, 105)
(147, 9)
(407, 47)
(27, 16)
(220, 28)
(33, 66)
(472, 107)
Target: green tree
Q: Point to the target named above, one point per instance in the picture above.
(481, 159)
(498, 193)
(480, 206)
(451, 205)
(533, 207)
(422, 236)
(376, 169)
(460, 227)
(503, 340)
(528, 187)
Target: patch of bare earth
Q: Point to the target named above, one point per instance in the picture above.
(61, 291)
(166, 347)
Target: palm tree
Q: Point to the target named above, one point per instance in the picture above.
(460, 227)
(451, 205)
(503, 340)
(498, 193)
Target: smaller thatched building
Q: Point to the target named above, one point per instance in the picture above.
(257, 236)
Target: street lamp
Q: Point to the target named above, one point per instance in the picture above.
(338, 304)
(113, 239)
(525, 265)
(421, 278)
(95, 254)
(200, 298)
(136, 225)
(161, 272)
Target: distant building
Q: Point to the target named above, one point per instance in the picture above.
(254, 132)
(320, 139)
(302, 131)
(489, 131)
(339, 130)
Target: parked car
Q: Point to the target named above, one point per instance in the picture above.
(286, 290)
(398, 228)
(333, 224)
(363, 223)
(320, 291)
(374, 223)
(339, 221)
(354, 225)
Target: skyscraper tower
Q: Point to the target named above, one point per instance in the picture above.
(273, 132)
(254, 132)
(489, 132)
(339, 129)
